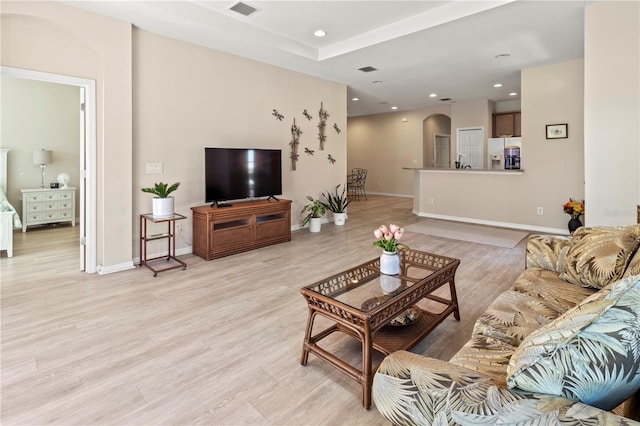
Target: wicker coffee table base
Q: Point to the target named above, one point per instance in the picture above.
(383, 338)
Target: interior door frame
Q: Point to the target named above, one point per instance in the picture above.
(88, 147)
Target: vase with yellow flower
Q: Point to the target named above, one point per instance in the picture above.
(575, 209)
(387, 239)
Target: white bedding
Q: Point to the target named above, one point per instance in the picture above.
(5, 206)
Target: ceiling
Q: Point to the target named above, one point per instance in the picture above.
(455, 49)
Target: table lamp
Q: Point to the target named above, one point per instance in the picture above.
(42, 158)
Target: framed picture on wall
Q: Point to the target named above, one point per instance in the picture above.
(557, 131)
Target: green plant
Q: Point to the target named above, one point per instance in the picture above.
(315, 208)
(161, 189)
(337, 203)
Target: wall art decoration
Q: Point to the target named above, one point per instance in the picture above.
(336, 128)
(331, 159)
(322, 126)
(295, 140)
(307, 115)
(277, 115)
(308, 151)
(557, 131)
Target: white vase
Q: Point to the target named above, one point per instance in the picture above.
(339, 218)
(315, 224)
(389, 263)
(162, 207)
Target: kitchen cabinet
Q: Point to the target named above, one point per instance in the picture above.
(507, 124)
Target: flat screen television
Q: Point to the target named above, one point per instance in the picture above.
(238, 173)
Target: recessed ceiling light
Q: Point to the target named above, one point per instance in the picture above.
(394, 107)
(433, 95)
(355, 99)
(513, 94)
(497, 85)
(319, 33)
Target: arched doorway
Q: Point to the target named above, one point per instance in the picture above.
(436, 141)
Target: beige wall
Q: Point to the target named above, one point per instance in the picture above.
(54, 38)
(612, 112)
(188, 97)
(553, 169)
(384, 144)
(38, 115)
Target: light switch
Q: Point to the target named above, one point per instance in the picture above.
(154, 167)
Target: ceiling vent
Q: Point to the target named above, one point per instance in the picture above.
(445, 99)
(368, 69)
(243, 9)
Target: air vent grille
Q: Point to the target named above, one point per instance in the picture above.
(445, 99)
(243, 8)
(368, 69)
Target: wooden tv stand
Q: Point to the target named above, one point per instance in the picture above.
(246, 225)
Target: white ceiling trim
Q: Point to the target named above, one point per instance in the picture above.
(448, 12)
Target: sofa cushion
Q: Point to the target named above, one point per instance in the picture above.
(599, 255)
(547, 252)
(589, 354)
(538, 297)
(486, 355)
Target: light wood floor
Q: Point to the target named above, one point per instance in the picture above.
(218, 343)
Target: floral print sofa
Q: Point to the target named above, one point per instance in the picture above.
(561, 346)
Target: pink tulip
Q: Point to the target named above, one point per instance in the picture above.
(399, 233)
(378, 233)
(384, 229)
(393, 228)
(388, 236)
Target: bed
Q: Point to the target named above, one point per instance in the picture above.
(9, 218)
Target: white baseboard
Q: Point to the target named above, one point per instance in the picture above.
(390, 194)
(103, 270)
(520, 226)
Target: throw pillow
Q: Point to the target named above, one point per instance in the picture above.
(599, 255)
(589, 354)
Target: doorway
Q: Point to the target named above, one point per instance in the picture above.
(471, 147)
(442, 151)
(434, 126)
(87, 160)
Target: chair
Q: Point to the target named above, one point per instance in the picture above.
(355, 184)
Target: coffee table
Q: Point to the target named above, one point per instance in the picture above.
(361, 303)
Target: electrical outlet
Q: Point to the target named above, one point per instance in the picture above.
(430, 200)
(540, 211)
(179, 227)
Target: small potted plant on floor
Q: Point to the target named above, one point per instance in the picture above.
(162, 203)
(337, 204)
(313, 212)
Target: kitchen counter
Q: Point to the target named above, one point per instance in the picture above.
(475, 171)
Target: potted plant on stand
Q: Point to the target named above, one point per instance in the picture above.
(162, 203)
(337, 204)
(313, 212)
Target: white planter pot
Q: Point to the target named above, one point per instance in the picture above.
(315, 224)
(162, 207)
(339, 218)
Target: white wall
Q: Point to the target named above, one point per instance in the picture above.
(612, 112)
(38, 115)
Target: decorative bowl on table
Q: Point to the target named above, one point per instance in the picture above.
(408, 317)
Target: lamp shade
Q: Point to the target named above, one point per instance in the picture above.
(42, 156)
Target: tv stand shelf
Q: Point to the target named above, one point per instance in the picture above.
(246, 225)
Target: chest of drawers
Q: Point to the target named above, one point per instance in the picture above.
(42, 206)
